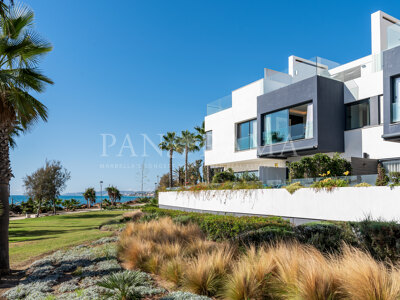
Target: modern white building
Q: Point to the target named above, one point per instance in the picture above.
(318, 106)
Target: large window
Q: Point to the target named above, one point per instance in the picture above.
(209, 140)
(396, 100)
(290, 124)
(246, 135)
(357, 114)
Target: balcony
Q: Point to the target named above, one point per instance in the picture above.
(301, 118)
(219, 105)
(246, 143)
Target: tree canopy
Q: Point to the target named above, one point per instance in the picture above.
(47, 183)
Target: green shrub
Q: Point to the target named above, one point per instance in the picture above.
(395, 178)
(381, 239)
(264, 235)
(227, 227)
(71, 204)
(224, 176)
(183, 220)
(310, 167)
(362, 184)
(382, 179)
(143, 200)
(228, 185)
(325, 236)
(329, 183)
(294, 187)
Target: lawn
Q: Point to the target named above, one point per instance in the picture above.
(30, 238)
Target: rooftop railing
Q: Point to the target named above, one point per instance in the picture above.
(219, 105)
(393, 36)
(307, 68)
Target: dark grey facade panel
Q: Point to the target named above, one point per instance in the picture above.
(331, 115)
(391, 68)
(374, 110)
(328, 116)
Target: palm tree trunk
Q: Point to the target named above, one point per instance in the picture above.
(170, 167)
(88, 205)
(186, 163)
(54, 207)
(5, 176)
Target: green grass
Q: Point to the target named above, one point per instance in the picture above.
(30, 238)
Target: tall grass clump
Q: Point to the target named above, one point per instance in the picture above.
(250, 276)
(162, 247)
(361, 277)
(206, 274)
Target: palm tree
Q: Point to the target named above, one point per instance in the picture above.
(20, 51)
(90, 196)
(114, 194)
(201, 135)
(188, 141)
(179, 175)
(201, 139)
(171, 144)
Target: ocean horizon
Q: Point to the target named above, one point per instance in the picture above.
(17, 199)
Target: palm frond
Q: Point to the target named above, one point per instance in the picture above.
(16, 132)
(28, 109)
(17, 20)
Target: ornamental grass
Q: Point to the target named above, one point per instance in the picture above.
(182, 255)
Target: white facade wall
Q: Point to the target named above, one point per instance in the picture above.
(369, 140)
(223, 126)
(341, 204)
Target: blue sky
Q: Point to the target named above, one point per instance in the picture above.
(148, 67)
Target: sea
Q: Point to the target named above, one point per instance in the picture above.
(17, 199)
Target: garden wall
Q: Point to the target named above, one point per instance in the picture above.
(341, 204)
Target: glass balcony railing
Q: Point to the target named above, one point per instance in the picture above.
(219, 104)
(352, 180)
(287, 134)
(393, 36)
(307, 68)
(246, 143)
(395, 112)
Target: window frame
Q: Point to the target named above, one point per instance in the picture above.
(237, 132)
(393, 90)
(288, 109)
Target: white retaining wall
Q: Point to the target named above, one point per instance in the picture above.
(341, 204)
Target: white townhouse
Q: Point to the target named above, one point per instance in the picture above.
(318, 106)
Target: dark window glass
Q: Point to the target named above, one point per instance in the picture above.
(357, 114)
(396, 100)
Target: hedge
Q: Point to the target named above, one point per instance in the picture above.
(326, 236)
(264, 235)
(381, 239)
(218, 227)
